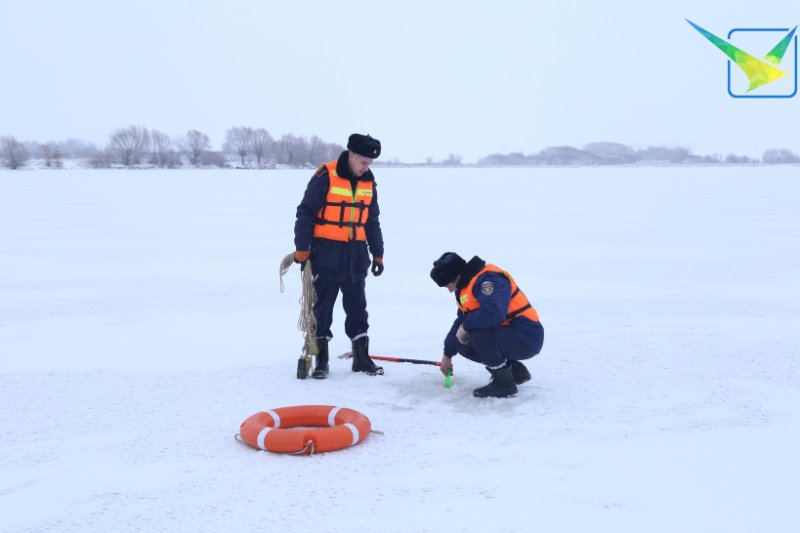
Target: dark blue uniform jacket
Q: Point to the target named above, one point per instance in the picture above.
(492, 311)
(335, 259)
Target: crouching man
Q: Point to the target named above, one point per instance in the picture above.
(496, 324)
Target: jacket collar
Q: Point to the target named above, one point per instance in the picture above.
(474, 266)
(343, 169)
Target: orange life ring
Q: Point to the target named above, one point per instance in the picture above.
(324, 428)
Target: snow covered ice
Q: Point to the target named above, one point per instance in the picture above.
(141, 323)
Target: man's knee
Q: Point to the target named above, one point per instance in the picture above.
(482, 338)
(467, 351)
(500, 343)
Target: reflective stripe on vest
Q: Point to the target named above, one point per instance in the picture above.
(344, 214)
(517, 306)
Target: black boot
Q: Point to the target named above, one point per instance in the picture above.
(361, 360)
(520, 372)
(501, 386)
(321, 370)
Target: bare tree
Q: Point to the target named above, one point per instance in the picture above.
(733, 159)
(212, 158)
(260, 143)
(76, 148)
(196, 144)
(299, 151)
(99, 158)
(318, 150)
(162, 152)
(13, 153)
(238, 140)
(287, 152)
(334, 150)
(46, 153)
(57, 161)
(128, 145)
(779, 156)
(51, 155)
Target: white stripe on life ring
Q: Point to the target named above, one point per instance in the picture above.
(332, 416)
(354, 430)
(275, 418)
(261, 436)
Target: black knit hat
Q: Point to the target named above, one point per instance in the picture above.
(364, 145)
(447, 268)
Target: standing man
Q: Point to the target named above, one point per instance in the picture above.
(496, 324)
(337, 227)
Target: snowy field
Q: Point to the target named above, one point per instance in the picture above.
(141, 322)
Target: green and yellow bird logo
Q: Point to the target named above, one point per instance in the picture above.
(759, 72)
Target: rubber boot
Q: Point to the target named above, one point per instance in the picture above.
(321, 369)
(361, 360)
(520, 372)
(501, 386)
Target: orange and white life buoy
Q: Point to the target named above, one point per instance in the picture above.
(305, 429)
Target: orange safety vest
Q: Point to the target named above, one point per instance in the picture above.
(344, 214)
(517, 306)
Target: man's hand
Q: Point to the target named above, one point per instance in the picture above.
(377, 266)
(463, 335)
(302, 258)
(447, 365)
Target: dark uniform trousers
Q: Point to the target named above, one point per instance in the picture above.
(493, 346)
(353, 298)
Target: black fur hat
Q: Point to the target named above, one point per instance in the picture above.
(364, 145)
(447, 268)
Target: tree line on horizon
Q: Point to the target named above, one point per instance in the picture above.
(246, 147)
(136, 146)
(611, 153)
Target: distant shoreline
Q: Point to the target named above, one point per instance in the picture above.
(82, 165)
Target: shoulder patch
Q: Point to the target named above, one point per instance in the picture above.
(487, 288)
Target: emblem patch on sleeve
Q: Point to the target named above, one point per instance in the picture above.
(487, 288)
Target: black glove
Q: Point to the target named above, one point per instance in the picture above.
(377, 266)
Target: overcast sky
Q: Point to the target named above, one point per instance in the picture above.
(427, 78)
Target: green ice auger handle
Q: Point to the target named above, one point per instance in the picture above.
(448, 380)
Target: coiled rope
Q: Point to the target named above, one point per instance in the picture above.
(306, 322)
